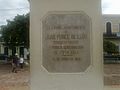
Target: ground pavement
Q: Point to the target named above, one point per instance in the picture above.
(14, 81)
(20, 80)
(112, 74)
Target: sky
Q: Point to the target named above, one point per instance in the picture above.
(110, 6)
(10, 8)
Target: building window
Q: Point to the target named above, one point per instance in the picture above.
(108, 28)
(6, 50)
(21, 51)
(13, 51)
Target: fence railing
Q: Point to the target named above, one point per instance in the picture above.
(111, 59)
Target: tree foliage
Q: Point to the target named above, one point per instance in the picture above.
(109, 47)
(16, 32)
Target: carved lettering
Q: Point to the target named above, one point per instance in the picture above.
(66, 42)
(66, 36)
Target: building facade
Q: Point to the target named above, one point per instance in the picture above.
(20, 50)
(112, 29)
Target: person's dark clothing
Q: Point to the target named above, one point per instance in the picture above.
(15, 64)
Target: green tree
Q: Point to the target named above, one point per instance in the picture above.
(16, 32)
(109, 47)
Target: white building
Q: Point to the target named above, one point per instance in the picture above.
(21, 50)
(112, 28)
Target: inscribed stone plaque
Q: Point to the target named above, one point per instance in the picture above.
(66, 42)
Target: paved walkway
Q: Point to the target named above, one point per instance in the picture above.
(20, 80)
(14, 81)
(112, 74)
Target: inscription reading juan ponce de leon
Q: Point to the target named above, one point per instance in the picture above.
(66, 42)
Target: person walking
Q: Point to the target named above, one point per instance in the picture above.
(21, 61)
(15, 63)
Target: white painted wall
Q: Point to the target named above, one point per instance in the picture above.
(1, 48)
(40, 79)
(115, 21)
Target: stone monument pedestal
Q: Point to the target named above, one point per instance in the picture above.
(66, 45)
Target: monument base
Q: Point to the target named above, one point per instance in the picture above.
(89, 79)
